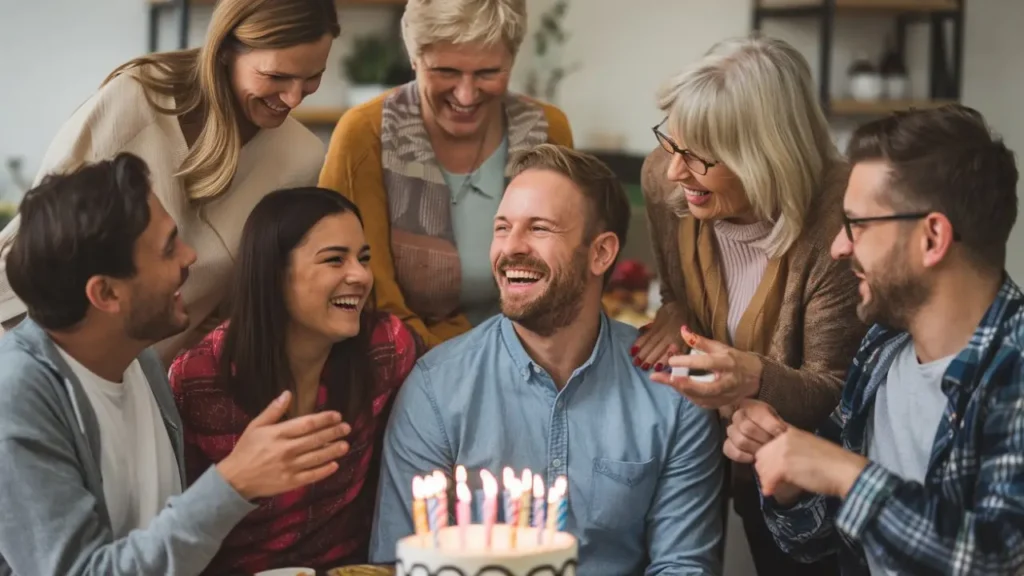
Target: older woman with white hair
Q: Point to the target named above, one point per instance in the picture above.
(426, 162)
(744, 196)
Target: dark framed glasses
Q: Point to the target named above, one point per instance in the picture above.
(695, 163)
(849, 223)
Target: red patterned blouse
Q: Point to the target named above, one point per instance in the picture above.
(323, 525)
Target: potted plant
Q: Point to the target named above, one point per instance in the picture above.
(548, 71)
(369, 67)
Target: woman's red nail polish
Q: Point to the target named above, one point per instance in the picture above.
(636, 361)
(658, 367)
(646, 366)
(634, 350)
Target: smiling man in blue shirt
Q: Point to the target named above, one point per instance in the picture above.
(549, 385)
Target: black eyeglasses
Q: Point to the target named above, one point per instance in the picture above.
(693, 162)
(849, 223)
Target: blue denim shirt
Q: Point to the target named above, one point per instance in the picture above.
(644, 465)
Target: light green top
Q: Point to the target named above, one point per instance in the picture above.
(475, 199)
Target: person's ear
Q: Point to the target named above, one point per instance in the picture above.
(106, 294)
(603, 252)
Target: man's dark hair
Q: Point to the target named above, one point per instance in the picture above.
(609, 203)
(947, 160)
(75, 226)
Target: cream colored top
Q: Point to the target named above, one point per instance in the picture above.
(117, 119)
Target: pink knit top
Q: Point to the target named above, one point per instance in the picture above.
(743, 264)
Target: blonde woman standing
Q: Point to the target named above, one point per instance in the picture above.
(427, 162)
(744, 197)
(212, 124)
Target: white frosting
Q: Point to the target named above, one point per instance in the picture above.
(555, 556)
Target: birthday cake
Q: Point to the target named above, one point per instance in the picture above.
(528, 539)
(554, 556)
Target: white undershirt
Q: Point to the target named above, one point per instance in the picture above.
(138, 465)
(905, 418)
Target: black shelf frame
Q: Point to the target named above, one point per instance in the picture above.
(184, 9)
(945, 78)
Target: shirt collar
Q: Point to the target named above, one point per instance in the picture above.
(524, 363)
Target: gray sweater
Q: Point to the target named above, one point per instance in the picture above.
(53, 517)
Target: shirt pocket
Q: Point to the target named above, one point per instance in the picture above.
(621, 492)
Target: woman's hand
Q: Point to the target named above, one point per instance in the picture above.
(660, 339)
(737, 374)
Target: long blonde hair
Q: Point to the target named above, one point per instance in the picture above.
(750, 104)
(198, 78)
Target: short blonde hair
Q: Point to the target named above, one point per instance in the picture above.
(488, 22)
(750, 103)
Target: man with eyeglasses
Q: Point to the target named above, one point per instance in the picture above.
(920, 470)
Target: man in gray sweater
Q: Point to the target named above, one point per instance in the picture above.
(91, 464)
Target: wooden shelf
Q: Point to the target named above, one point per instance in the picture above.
(865, 5)
(847, 107)
(318, 116)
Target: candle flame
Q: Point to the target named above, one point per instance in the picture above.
(418, 488)
(527, 479)
(441, 481)
(460, 474)
(507, 477)
(463, 493)
(561, 484)
(553, 495)
(538, 487)
(490, 483)
(514, 488)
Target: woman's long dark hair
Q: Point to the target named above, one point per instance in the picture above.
(254, 363)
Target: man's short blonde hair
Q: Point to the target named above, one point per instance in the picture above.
(488, 22)
(750, 103)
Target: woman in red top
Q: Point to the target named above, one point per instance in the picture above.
(302, 320)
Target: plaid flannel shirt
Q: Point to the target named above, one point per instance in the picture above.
(968, 516)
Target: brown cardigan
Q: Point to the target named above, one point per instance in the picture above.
(816, 331)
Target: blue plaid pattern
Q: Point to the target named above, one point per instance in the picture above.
(968, 517)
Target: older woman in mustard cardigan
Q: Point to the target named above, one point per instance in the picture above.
(744, 197)
(426, 163)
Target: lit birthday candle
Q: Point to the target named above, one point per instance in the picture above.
(441, 483)
(464, 497)
(507, 477)
(552, 508)
(562, 488)
(430, 495)
(490, 510)
(538, 508)
(524, 504)
(513, 496)
(419, 507)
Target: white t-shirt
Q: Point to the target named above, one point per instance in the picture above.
(908, 408)
(138, 465)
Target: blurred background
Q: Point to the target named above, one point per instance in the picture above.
(601, 61)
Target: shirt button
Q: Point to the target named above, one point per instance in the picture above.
(559, 404)
(556, 463)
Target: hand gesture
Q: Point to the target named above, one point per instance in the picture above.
(737, 374)
(659, 339)
(797, 459)
(754, 424)
(274, 457)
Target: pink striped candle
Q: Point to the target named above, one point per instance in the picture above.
(490, 509)
(462, 519)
